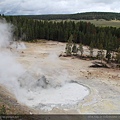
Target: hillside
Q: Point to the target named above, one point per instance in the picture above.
(78, 16)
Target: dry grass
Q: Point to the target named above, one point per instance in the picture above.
(100, 22)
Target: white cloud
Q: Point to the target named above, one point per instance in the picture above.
(57, 6)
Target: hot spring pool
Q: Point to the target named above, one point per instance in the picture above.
(43, 96)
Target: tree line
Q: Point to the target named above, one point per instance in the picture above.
(83, 32)
(109, 56)
(78, 16)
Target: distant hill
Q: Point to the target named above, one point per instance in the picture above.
(78, 16)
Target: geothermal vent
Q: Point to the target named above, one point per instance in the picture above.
(42, 94)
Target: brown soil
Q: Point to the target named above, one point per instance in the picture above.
(104, 83)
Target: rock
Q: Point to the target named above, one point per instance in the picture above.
(60, 55)
(42, 82)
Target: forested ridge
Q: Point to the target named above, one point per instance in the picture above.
(83, 32)
(78, 16)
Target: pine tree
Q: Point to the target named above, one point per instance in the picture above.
(68, 47)
(108, 56)
(109, 51)
(91, 49)
(74, 49)
(80, 48)
(100, 54)
(118, 55)
(70, 40)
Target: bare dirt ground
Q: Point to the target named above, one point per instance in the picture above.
(11, 105)
(103, 83)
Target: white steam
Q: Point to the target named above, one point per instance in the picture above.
(45, 85)
(10, 70)
(5, 33)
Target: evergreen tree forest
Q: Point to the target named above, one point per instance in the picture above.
(78, 16)
(85, 33)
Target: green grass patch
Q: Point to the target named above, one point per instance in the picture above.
(100, 22)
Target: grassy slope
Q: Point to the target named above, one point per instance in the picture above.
(100, 22)
(104, 23)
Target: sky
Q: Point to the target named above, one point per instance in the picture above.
(38, 7)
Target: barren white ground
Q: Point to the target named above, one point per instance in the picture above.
(73, 86)
(100, 86)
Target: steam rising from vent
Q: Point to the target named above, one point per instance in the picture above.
(42, 86)
(10, 70)
(5, 33)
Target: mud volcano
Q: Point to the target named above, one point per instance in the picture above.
(42, 94)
